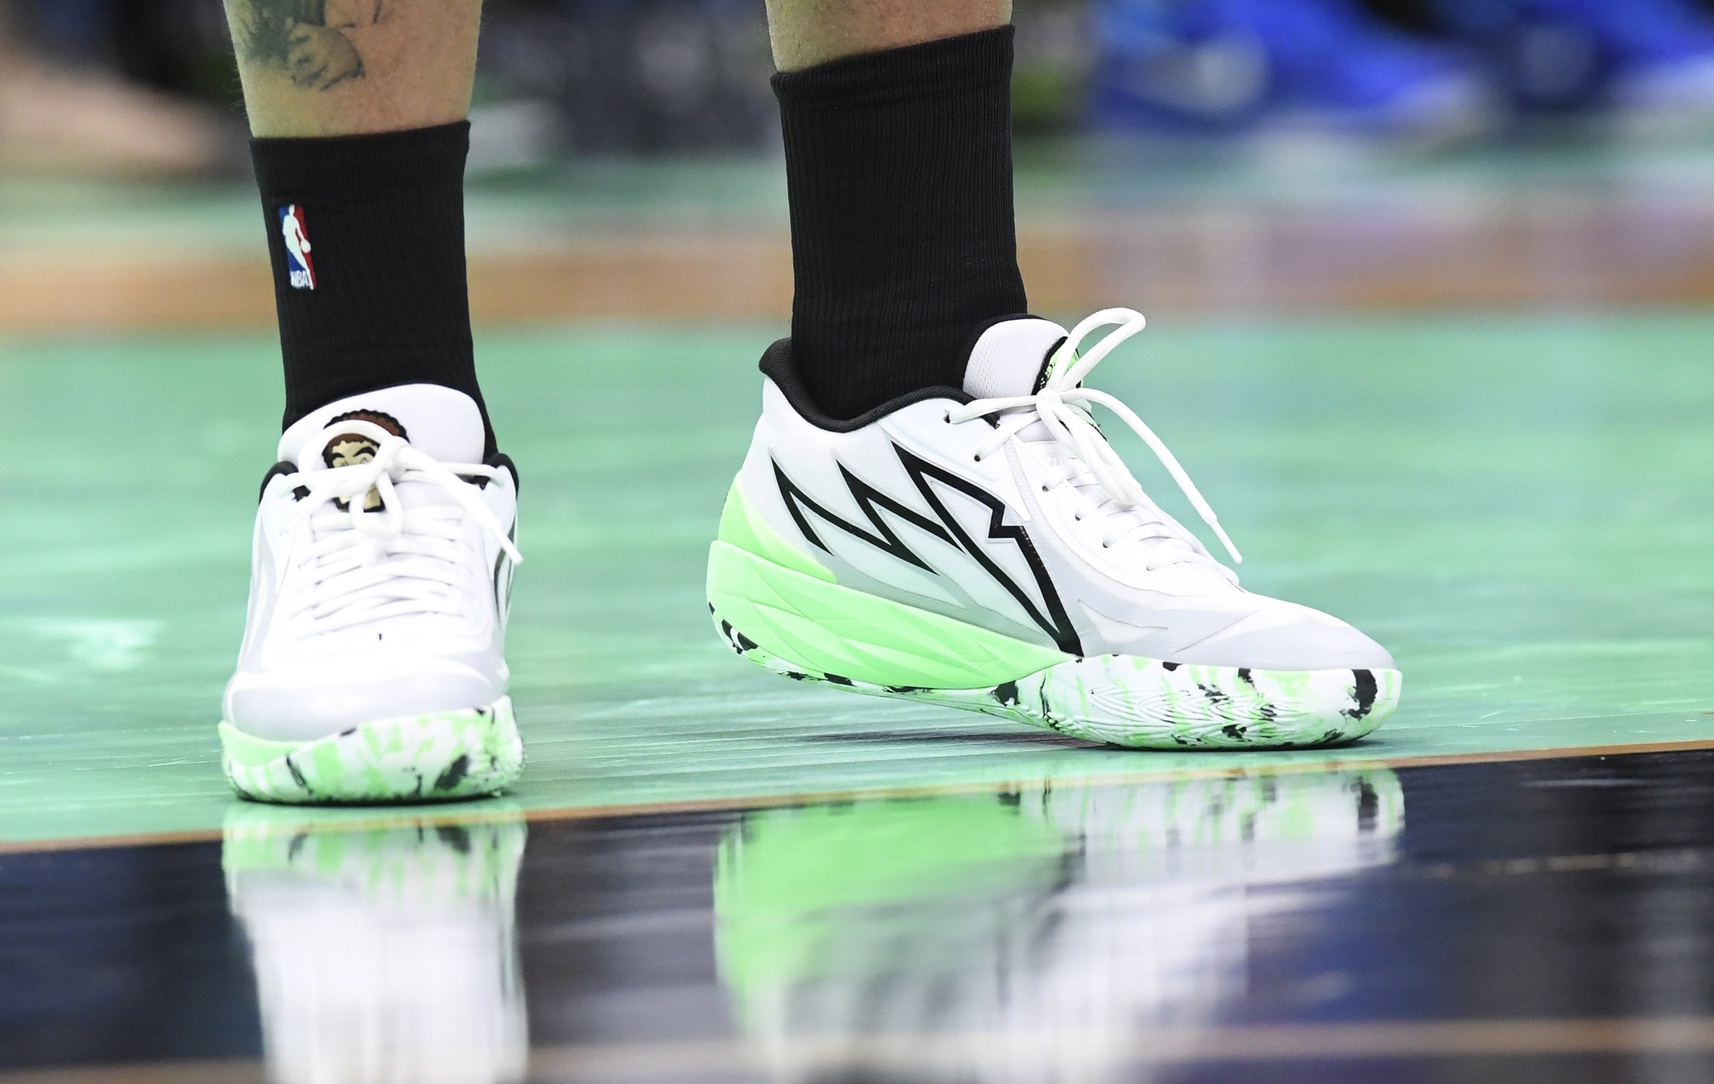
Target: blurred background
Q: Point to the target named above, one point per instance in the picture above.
(1232, 155)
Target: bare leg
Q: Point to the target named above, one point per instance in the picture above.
(347, 67)
(810, 32)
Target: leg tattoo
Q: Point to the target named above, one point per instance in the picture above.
(309, 39)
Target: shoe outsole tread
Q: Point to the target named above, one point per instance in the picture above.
(432, 757)
(1141, 703)
(810, 629)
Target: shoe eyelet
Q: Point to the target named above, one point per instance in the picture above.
(1044, 489)
(976, 458)
(947, 417)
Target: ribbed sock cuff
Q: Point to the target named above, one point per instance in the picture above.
(899, 172)
(911, 73)
(380, 296)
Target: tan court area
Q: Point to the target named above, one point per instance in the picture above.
(1441, 239)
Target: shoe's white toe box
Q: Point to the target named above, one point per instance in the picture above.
(313, 699)
(1285, 636)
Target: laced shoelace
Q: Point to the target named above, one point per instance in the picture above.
(1062, 407)
(368, 566)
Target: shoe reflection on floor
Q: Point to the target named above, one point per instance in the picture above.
(1035, 936)
(382, 954)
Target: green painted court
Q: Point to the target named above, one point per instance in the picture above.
(1429, 295)
(1519, 506)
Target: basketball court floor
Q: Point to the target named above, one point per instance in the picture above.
(1464, 404)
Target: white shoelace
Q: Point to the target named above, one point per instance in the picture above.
(1062, 408)
(392, 562)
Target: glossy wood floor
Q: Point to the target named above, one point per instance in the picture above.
(1539, 921)
(709, 874)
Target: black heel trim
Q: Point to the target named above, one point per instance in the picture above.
(284, 466)
(501, 459)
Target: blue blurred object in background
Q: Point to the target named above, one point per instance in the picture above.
(1577, 55)
(1221, 66)
(1242, 66)
(78, 26)
(625, 77)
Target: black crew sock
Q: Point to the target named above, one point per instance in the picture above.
(381, 298)
(899, 171)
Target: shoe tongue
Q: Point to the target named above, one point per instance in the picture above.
(1011, 358)
(443, 422)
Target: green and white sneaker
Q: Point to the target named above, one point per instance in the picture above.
(373, 665)
(986, 548)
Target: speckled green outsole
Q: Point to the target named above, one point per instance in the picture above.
(1140, 703)
(440, 756)
(797, 622)
(1147, 704)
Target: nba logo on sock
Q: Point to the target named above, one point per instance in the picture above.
(300, 271)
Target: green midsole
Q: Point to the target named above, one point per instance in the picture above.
(251, 751)
(840, 631)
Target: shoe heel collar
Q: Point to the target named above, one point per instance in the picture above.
(778, 366)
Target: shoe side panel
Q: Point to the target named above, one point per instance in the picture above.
(904, 510)
(1177, 613)
(847, 503)
(263, 569)
(294, 685)
(269, 551)
(496, 589)
(1117, 607)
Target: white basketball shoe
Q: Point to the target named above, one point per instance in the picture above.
(987, 549)
(373, 664)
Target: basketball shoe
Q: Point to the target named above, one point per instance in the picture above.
(372, 668)
(986, 548)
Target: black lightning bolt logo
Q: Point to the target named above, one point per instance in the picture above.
(503, 568)
(945, 527)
